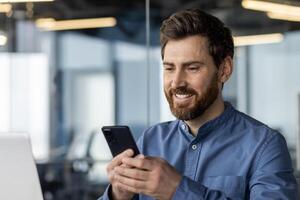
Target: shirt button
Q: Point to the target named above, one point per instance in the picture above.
(194, 147)
(183, 127)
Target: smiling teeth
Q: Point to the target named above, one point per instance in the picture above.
(182, 96)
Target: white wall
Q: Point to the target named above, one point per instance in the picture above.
(275, 85)
(24, 104)
(80, 51)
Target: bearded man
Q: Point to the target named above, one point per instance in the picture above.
(211, 151)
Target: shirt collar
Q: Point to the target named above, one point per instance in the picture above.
(206, 128)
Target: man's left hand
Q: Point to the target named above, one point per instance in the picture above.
(151, 176)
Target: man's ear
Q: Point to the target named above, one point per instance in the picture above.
(225, 69)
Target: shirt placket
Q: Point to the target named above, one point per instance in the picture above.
(192, 154)
(192, 159)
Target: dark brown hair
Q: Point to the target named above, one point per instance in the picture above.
(196, 22)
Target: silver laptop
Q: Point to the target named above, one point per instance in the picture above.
(18, 174)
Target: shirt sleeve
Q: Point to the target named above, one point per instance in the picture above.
(273, 177)
(107, 193)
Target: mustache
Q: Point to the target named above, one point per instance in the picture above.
(182, 90)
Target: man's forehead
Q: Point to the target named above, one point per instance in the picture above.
(188, 46)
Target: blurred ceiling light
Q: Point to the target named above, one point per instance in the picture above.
(5, 8)
(23, 1)
(257, 39)
(49, 24)
(271, 7)
(294, 18)
(3, 40)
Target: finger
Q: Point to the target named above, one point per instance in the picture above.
(134, 173)
(116, 161)
(141, 162)
(128, 166)
(140, 156)
(137, 184)
(124, 165)
(128, 188)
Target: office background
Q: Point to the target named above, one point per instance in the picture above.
(61, 83)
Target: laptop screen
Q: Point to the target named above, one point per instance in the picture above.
(19, 177)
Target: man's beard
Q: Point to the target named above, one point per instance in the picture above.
(201, 102)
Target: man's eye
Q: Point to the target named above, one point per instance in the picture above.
(168, 68)
(193, 68)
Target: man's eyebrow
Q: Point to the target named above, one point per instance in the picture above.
(168, 63)
(185, 64)
(192, 62)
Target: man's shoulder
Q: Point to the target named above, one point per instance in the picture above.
(162, 128)
(253, 126)
(154, 135)
(248, 120)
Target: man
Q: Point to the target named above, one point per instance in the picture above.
(212, 151)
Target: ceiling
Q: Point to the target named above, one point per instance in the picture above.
(241, 21)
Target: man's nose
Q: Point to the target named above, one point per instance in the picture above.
(179, 80)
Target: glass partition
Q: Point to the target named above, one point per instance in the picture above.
(62, 86)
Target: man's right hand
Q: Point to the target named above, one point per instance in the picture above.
(116, 192)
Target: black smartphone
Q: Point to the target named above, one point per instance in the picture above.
(119, 139)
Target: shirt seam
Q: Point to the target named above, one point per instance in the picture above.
(261, 151)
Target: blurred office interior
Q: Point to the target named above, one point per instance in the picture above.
(62, 80)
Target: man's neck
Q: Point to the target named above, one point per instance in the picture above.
(213, 111)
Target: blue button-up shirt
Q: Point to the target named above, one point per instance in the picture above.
(232, 157)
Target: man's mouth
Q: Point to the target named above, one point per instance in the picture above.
(183, 96)
(182, 99)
